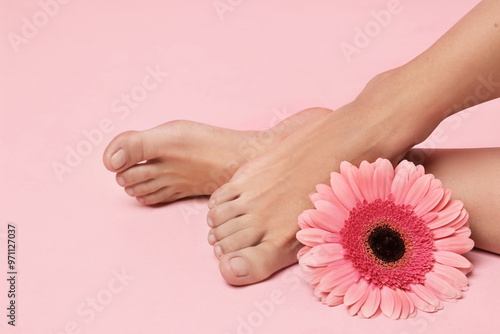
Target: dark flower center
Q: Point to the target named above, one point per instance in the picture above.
(386, 244)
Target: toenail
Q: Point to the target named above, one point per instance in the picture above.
(120, 180)
(218, 251)
(211, 238)
(129, 191)
(141, 199)
(210, 222)
(211, 203)
(118, 159)
(239, 266)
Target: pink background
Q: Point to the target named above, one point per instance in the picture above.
(246, 68)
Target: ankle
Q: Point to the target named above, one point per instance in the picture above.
(395, 110)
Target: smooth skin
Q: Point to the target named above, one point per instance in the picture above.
(253, 217)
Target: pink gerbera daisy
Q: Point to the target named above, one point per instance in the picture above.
(385, 240)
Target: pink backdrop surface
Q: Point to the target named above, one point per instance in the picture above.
(90, 259)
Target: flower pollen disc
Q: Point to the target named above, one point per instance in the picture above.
(386, 244)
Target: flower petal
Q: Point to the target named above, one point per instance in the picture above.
(406, 304)
(387, 301)
(323, 221)
(355, 308)
(333, 300)
(440, 287)
(336, 217)
(398, 184)
(413, 176)
(412, 306)
(372, 303)
(435, 184)
(322, 255)
(405, 175)
(429, 217)
(442, 232)
(398, 305)
(461, 220)
(342, 287)
(382, 178)
(420, 303)
(458, 245)
(342, 190)
(345, 166)
(429, 202)
(332, 237)
(418, 190)
(326, 193)
(444, 201)
(352, 179)
(355, 292)
(314, 275)
(463, 232)
(451, 211)
(425, 294)
(456, 276)
(335, 277)
(451, 259)
(304, 219)
(366, 171)
(303, 251)
(405, 167)
(311, 236)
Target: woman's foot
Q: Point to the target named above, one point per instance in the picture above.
(254, 216)
(182, 158)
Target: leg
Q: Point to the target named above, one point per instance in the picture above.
(473, 176)
(254, 216)
(185, 158)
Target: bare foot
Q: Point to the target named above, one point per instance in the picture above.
(181, 158)
(254, 216)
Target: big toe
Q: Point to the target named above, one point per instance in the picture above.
(130, 148)
(254, 264)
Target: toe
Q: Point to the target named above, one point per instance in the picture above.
(145, 188)
(241, 239)
(130, 148)
(225, 193)
(224, 230)
(163, 195)
(254, 264)
(139, 173)
(233, 226)
(220, 214)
